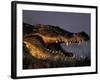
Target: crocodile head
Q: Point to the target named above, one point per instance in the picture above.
(51, 38)
(54, 34)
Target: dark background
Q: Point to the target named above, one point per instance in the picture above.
(73, 22)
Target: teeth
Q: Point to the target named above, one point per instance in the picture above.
(61, 53)
(56, 51)
(53, 51)
(79, 43)
(70, 42)
(66, 43)
(74, 56)
(48, 49)
(56, 41)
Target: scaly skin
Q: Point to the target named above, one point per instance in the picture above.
(43, 41)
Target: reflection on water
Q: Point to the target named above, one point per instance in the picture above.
(82, 50)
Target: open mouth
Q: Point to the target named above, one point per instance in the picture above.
(52, 46)
(78, 50)
(70, 48)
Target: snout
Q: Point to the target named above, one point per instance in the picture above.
(85, 36)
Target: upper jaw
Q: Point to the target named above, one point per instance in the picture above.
(76, 38)
(65, 40)
(73, 40)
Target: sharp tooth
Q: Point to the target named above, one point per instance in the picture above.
(70, 42)
(61, 53)
(48, 49)
(56, 51)
(53, 51)
(74, 56)
(56, 41)
(82, 41)
(66, 43)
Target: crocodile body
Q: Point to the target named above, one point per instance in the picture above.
(43, 42)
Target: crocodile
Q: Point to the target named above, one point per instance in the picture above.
(43, 42)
